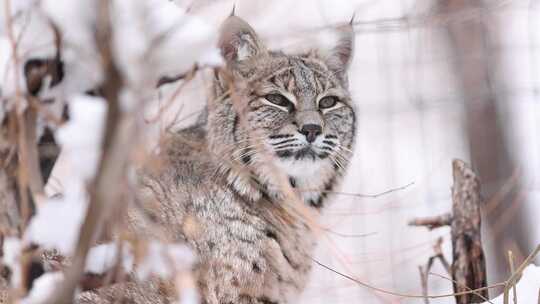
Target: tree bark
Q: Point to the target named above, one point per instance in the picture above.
(468, 262)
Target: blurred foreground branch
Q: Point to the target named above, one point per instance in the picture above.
(104, 191)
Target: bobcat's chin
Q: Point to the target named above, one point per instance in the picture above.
(305, 168)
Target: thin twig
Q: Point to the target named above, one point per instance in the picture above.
(424, 273)
(376, 195)
(188, 76)
(467, 287)
(423, 282)
(516, 275)
(170, 79)
(403, 295)
(344, 235)
(512, 269)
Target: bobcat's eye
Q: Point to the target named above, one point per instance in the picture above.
(328, 102)
(278, 99)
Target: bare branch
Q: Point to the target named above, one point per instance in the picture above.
(425, 272)
(376, 195)
(433, 222)
(413, 296)
(450, 279)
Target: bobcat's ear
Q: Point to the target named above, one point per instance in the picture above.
(339, 52)
(238, 41)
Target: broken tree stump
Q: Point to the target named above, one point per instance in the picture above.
(468, 267)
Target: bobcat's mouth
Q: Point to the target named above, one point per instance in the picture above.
(302, 153)
(290, 146)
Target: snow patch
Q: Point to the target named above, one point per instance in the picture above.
(12, 252)
(57, 223)
(103, 257)
(43, 288)
(164, 260)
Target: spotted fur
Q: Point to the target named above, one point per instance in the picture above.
(219, 190)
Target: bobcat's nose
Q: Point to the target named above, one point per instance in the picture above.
(311, 131)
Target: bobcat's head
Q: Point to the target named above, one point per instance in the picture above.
(292, 110)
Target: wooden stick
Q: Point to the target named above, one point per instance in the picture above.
(433, 222)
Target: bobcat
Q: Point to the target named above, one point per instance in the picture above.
(244, 186)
